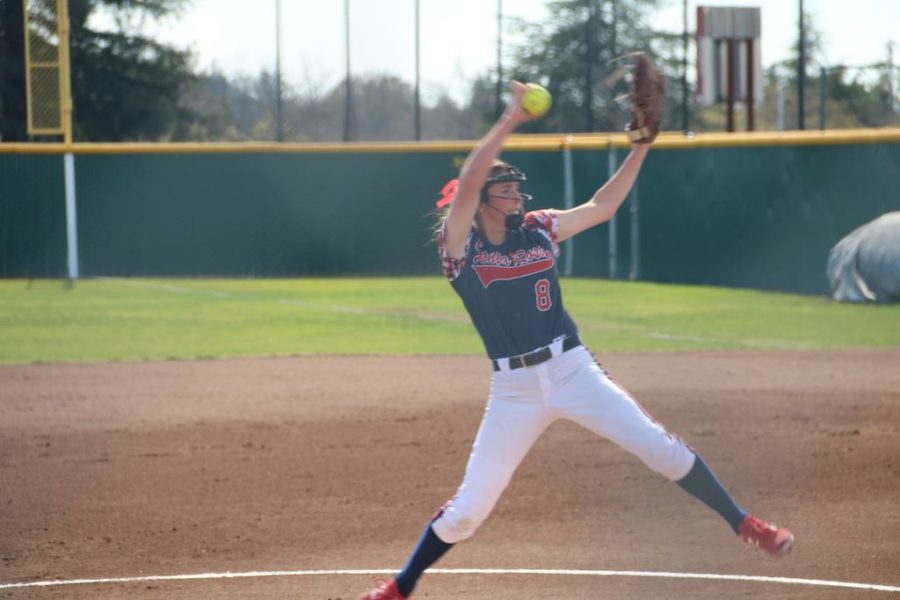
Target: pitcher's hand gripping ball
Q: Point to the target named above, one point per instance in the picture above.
(647, 96)
(536, 100)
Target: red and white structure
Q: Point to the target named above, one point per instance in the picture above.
(729, 60)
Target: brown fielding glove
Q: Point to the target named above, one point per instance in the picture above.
(648, 95)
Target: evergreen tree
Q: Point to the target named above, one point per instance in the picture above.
(577, 53)
(12, 72)
(125, 86)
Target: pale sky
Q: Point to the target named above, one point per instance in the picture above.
(459, 37)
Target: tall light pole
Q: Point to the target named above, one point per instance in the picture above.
(684, 68)
(499, 91)
(279, 119)
(348, 92)
(589, 67)
(890, 79)
(801, 72)
(418, 102)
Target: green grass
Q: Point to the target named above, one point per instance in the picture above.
(134, 319)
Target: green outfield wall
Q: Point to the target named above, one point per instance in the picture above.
(751, 210)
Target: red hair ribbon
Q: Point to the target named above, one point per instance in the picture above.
(448, 193)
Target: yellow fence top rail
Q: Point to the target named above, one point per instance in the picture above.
(522, 142)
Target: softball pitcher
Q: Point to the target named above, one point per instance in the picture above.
(502, 262)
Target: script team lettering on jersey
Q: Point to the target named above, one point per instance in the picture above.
(511, 290)
(497, 266)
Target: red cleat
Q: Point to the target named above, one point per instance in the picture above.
(384, 590)
(774, 540)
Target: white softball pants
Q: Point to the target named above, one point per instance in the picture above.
(523, 403)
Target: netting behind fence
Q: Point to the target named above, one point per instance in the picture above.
(44, 67)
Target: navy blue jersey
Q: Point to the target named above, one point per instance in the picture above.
(512, 290)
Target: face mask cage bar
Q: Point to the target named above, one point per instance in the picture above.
(512, 174)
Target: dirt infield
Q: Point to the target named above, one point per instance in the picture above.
(336, 463)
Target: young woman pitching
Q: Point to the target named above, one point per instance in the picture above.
(502, 262)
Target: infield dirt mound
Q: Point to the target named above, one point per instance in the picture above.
(161, 468)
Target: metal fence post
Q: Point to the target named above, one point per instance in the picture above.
(613, 240)
(569, 201)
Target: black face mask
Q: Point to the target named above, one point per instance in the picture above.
(512, 221)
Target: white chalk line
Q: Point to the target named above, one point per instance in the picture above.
(551, 572)
(335, 308)
(338, 308)
(750, 343)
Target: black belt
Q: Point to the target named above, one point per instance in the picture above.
(538, 356)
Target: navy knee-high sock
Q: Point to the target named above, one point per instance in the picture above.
(702, 483)
(428, 551)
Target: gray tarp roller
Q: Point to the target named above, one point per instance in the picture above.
(865, 265)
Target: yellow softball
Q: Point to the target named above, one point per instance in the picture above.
(536, 100)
